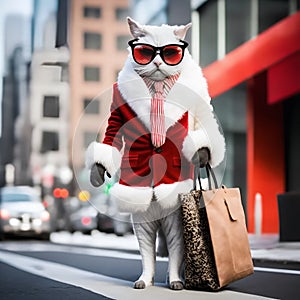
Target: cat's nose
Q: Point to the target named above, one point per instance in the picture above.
(157, 61)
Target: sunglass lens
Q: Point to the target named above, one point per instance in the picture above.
(172, 54)
(143, 54)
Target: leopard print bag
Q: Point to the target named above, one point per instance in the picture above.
(200, 269)
(216, 246)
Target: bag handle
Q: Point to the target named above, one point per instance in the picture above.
(210, 174)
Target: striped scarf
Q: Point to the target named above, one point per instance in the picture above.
(159, 91)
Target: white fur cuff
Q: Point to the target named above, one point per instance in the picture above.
(198, 139)
(104, 154)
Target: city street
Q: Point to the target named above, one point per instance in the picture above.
(107, 111)
(63, 269)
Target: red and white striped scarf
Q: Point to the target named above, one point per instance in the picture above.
(159, 91)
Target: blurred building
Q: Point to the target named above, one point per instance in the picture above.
(98, 42)
(15, 128)
(49, 95)
(44, 24)
(172, 12)
(250, 52)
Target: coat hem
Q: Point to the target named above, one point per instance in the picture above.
(132, 199)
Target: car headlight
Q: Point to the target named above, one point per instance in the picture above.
(37, 222)
(14, 222)
(4, 214)
(45, 216)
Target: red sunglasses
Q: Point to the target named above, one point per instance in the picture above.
(171, 54)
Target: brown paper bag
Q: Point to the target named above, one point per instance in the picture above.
(216, 246)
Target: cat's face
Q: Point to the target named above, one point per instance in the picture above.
(157, 36)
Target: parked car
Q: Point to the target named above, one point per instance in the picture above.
(85, 219)
(22, 213)
(109, 219)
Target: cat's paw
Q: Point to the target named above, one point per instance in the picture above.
(140, 284)
(176, 285)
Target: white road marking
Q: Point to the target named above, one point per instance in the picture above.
(41, 247)
(274, 270)
(108, 286)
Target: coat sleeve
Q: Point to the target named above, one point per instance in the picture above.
(204, 132)
(108, 153)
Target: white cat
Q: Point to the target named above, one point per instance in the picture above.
(161, 124)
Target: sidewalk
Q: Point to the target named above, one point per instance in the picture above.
(267, 247)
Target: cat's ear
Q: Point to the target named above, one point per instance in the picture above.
(181, 31)
(135, 28)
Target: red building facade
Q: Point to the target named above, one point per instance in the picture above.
(270, 66)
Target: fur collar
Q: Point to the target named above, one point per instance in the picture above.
(185, 95)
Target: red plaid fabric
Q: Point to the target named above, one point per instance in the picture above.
(157, 116)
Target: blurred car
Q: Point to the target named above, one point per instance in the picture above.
(22, 213)
(85, 219)
(109, 219)
(122, 224)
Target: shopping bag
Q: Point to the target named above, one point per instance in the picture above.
(216, 245)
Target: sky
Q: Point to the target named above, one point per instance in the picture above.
(23, 7)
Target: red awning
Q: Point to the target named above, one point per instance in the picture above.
(270, 48)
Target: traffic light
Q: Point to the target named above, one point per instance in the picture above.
(60, 193)
(84, 196)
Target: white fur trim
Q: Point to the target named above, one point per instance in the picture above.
(187, 93)
(198, 139)
(194, 141)
(104, 154)
(167, 194)
(131, 199)
(204, 132)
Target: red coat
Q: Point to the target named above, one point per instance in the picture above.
(143, 165)
(146, 171)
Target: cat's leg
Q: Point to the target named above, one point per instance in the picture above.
(146, 236)
(172, 228)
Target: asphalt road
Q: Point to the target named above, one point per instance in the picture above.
(18, 284)
(41, 270)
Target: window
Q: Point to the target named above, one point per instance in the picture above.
(92, 40)
(92, 12)
(208, 33)
(49, 141)
(122, 42)
(237, 23)
(91, 106)
(91, 74)
(121, 14)
(270, 12)
(51, 107)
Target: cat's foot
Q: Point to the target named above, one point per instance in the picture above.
(176, 285)
(140, 284)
